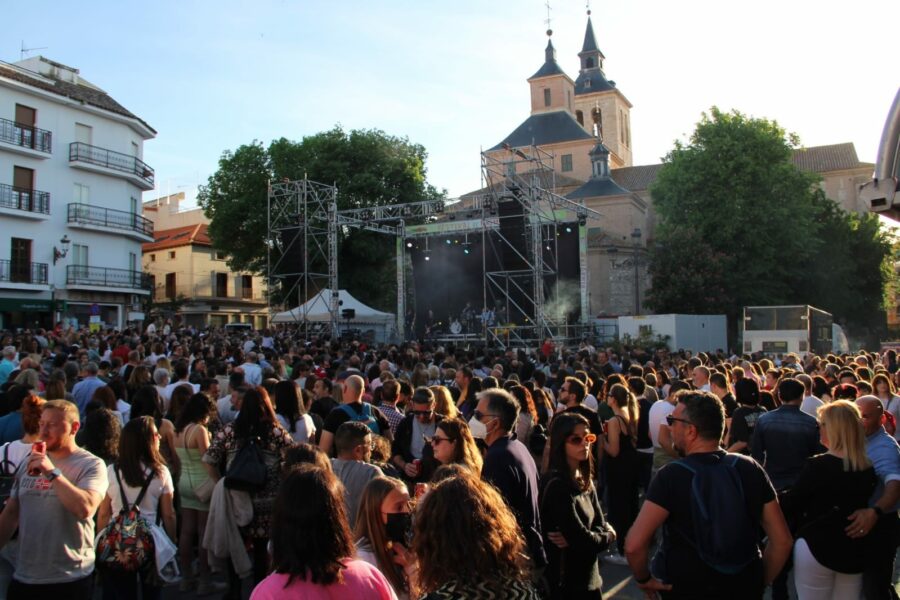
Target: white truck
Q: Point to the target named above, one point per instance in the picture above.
(697, 333)
(797, 328)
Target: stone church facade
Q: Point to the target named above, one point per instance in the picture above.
(584, 125)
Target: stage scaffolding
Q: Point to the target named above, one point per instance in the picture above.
(305, 212)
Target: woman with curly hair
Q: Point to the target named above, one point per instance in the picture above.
(574, 527)
(312, 547)
(528, 416)
(100, 434)
(451, 566)
(453, 443)
(383, 526)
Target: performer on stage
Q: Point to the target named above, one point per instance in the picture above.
(468, 317)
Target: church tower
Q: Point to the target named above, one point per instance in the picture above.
(599, 106)
(551, 88)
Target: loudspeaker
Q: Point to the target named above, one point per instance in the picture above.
(348, 314)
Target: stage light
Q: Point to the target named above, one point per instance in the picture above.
(568, 229)
(427, 257)
(409, 244)
(466, 250)
(449, 242)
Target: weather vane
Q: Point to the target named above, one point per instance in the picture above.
(549, 30)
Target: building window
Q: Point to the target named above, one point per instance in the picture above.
(170, 286)
(546, 97)
(20, 260)
(80, 255)
(597, 118)
(579, 116)
(218, 255)
(152, 258)
(566, 162)
(221, 283)
(81, 193)
(83, 133)
(587, 84)
(247, 287)
(171, 254)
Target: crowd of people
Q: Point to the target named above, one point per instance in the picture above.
(318, 468)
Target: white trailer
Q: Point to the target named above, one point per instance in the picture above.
(782, 329)
(697, 333)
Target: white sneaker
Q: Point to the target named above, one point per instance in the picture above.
(616, 559)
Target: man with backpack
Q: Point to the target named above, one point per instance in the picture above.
(710, 505)
(353, 408)
(53, 501)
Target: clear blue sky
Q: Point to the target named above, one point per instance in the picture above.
(210, 76)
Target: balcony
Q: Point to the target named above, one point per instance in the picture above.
(107, 162)
(102, 278)
(204, 292)
(107, 220)
(25, 276)
(25, 139)
(24, 202)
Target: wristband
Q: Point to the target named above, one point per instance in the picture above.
(644, 580)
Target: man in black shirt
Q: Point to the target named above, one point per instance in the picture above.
(678, 571)
(353, 408)
(324, 402)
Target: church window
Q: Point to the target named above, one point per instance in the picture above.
(587, 83)
(597, 117)
(566, 162)
(546, 97)
(579, 116)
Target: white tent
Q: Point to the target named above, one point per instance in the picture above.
(316, 310)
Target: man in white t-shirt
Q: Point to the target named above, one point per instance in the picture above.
(54, 511)
(658, 427)
(811, 403)
(252, 371)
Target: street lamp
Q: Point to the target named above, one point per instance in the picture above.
(60, 254)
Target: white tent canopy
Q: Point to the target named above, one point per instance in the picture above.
(316, 310)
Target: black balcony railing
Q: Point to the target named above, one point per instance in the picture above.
(108, 217)
(81, 152)
(26, 136)
(104, 277)
(23, 272)
(24, 199)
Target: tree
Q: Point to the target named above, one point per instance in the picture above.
(369, 168)
(740, 225)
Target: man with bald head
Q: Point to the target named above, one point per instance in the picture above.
(353, 408)
(880, 519)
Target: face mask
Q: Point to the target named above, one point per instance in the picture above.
(478, 429)
(399, 527)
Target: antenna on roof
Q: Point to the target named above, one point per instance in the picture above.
(549, 31)
(23, 51)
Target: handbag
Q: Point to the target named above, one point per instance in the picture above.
(126, 543)
(204, 491)
(248, 471)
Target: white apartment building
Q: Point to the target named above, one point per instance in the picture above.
(71, 178)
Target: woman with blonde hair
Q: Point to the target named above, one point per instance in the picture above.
(827, 562)
(443, 402)
(450, 564)
(382, 533)
(452, 442)
(620, 456)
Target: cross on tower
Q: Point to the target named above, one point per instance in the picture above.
(549, 30)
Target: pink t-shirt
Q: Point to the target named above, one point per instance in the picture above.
(361, 580)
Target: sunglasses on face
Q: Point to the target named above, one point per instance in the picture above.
(670, 420)
(436, 440)
(577, 440)
(480, 415)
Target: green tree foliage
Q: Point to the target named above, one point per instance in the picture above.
(740, 225)
(369, 168)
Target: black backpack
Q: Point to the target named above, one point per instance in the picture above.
(725, 535)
